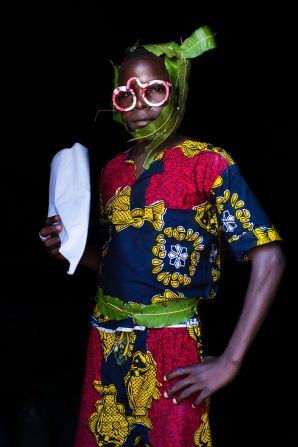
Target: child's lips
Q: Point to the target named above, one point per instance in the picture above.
(141, 122)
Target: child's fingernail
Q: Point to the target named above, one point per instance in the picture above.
(193, 406)
(174, 401)
(165, 378)
(165, 394)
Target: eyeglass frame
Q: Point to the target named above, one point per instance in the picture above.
(127, 88)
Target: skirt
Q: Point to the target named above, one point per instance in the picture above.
(123, 403)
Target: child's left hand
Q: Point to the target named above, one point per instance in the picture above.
(202, 379)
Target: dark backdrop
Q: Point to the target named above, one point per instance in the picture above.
(242, 98)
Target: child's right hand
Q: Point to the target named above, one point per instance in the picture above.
(49, 235)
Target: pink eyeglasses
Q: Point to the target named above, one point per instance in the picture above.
(154, 93)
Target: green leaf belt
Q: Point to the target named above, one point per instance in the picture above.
(155, 315)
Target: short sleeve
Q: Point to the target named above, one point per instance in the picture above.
(241, 218)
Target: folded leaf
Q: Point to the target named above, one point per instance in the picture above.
(155, 315)
(168, 315)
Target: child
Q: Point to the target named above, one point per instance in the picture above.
(165, 203)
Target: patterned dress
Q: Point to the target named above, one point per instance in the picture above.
(163, 244)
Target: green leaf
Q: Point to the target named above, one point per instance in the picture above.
(183, 74)
(169, 48)
(169, 313)
(152, 315)
(171, 66)
(200, 41)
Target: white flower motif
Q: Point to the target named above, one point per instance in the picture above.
(229, 221)
(178, 256)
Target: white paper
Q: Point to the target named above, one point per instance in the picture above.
(69, 196)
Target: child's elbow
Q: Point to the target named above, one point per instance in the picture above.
(277, 257)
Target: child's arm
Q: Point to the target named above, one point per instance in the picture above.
(202, 380)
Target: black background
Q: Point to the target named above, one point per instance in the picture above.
(57, 74)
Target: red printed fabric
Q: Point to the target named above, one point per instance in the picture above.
(146, 418)
(189, 172)
(185, 182)
(83, 436)
(175, 425)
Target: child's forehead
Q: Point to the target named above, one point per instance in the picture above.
(145, 68)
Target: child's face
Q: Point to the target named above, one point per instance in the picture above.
(146, 69)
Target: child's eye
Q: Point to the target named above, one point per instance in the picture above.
(125, 98)
(155, 93)
(156, 89)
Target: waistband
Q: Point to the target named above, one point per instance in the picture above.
(155, 315)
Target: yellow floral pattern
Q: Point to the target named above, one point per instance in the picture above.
(241, 213)
(180, 234)
(168, 295)
(266, 235)
(263, 234)
(119, 214)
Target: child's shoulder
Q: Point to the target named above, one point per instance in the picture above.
(195, 148)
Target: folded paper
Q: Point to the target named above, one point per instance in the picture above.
(69, 196)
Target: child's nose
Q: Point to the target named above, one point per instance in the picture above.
(140, 104)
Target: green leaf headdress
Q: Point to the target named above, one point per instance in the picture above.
(177, 62)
